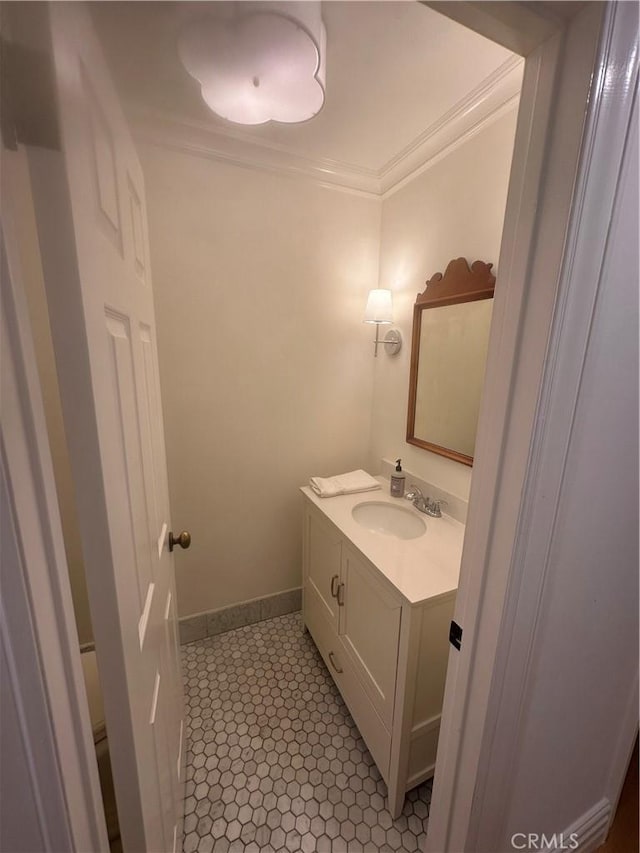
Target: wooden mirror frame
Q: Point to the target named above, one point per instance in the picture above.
(459, 284)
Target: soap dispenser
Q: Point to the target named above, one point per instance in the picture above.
(397, 481)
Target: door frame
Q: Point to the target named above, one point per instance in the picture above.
(490, 521)
(39, 629)
(567, 162)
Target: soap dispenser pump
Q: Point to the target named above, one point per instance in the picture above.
(397, 481)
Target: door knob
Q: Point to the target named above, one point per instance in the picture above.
(183, 540)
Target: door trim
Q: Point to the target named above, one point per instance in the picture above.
(602, 163)
(26, 461)
(545, 251)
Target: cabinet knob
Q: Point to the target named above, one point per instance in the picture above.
(340, 595)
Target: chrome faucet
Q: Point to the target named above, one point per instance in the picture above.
(424, 504)
(419, 501)
(434, 507)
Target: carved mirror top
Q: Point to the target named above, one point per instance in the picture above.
(459, 284)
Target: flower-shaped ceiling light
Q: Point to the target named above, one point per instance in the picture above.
(264, 65)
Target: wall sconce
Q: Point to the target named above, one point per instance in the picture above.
(379, 310)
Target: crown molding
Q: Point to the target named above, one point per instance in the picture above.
(482, 104)
(200, 140)
(487, 102)
(442, 152)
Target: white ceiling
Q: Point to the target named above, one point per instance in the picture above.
(399, 75)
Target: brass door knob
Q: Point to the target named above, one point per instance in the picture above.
(183, 540)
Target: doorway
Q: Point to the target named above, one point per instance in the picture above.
(506, 517)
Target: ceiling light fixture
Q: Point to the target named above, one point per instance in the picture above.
(267, 64)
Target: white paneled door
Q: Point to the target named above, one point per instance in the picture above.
(90, 204)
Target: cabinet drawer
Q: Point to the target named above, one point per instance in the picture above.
(371, 727)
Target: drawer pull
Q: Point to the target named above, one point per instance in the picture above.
(340, 595)
(334, 588)
(334, 664)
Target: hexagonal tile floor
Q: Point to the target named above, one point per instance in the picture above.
(275, 762)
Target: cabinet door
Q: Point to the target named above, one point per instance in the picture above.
(322, 565)
(370, 631)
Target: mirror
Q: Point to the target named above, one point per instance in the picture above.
(451, 322)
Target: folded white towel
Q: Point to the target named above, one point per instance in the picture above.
(343, 484)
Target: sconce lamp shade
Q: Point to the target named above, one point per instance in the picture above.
(379, 307)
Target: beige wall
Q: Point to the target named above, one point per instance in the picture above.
(260, 284)
(267, 371)
(455, 208)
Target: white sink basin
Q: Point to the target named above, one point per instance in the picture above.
(382, 517)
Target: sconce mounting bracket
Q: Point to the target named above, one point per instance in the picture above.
(392, 342)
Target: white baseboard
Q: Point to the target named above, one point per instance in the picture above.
(590, 830)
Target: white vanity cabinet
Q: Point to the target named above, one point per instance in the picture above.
(387, 655)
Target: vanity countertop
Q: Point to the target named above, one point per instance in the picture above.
(421, 568)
